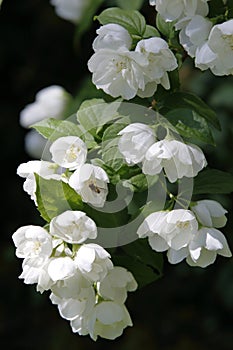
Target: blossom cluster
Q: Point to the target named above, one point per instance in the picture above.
(63, 257)
(138, 144)
(209, 44)
(68, 153)
(88, 290)
(120, 71)
(183, 233)
(190, 234)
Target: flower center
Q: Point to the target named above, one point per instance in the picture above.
(183, 224)
(228, 39)
(120, 65)
(37, 247)
(71, 153)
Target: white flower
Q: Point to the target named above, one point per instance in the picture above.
(151, 227)
(207, 243)
(43, 168)
(73, 227)
(118, 72)
(71, 10)
(195, 33)
(61, 268)
(116, 284)
(177, 158)
(71, 287)
(50, 102)
(75, 301)
(80, 325)
(160, 61)
(178, 9)
(93, 261)
(210, 213)
(205, 57)
(70, 309)
(135, 140)
(27, 170)
(112, 36)
(69, 152)
(32, 241)
(108, 320)
(35, 270)
(90, 181)
(176, 228)
(217, 52)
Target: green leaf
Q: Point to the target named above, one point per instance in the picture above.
(133, 21)
(130, 4)
(190, 125)
(140, 182)
(166, 28)
(190, 101)
(213, 181)
(54, 197)
(95, 113)
(52, 129)
(112, 130)
(110, 152)
(126, 172)
(174, 78)
(150, 32)
(105, 219)
(138, 257)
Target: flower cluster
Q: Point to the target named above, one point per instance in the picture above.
(63, 256)
(120, 71)
(88, 290)
(138, 144)
(209, 44)
(50, 102)
(68, 153)
(190, 234)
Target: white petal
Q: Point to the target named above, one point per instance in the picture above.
(157, 243)
(61, 268)
(176, 256)
(109, 313)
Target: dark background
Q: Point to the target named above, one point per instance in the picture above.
(188, 308)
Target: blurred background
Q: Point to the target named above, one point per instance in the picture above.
(187, 308)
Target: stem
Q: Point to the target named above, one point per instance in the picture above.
(171, 195)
